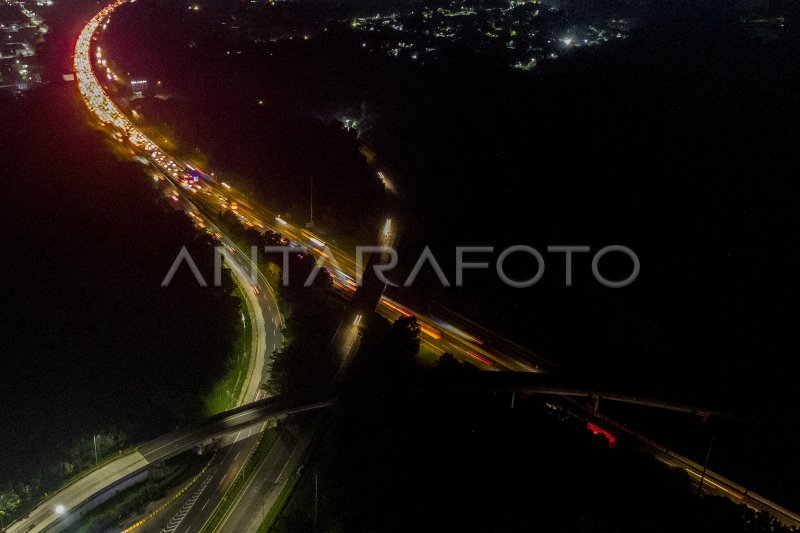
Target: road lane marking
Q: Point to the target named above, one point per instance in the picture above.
(288, 460)
(176, 520)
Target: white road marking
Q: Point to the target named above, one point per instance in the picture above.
(288, 460)
(176, 520)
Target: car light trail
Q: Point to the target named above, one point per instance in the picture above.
(108, 114)
(454, 330)
(429, 331)
(612, 440)
(395, 307)
(100, 104)
(479, 358)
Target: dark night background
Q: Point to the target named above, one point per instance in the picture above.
(679, 141)
(92, 344)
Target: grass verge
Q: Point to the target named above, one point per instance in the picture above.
(295, 493)
(226, 391)
(427, 356)
(284, 497)
(265, 443)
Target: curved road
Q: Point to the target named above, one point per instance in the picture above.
(262, 308)
(442, 330)
(49, 513)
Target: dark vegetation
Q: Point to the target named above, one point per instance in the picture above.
(93, 345)
(259, 454)
(399, 455)
(251, 131)
(311, 313)
(671, 142)
(678, 141)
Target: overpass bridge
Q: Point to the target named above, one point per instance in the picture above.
(568, 386)
(69, 503)
(58, 510)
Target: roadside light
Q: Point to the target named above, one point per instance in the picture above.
(60, 509)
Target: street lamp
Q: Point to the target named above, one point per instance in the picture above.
(705, 465)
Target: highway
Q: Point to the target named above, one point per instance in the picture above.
(268, 481)
(442, 330)
(262, 309)
(51, 509)
(190, 512)
(713, 483)
(266, 333)
(246, 421)
(267, 336)
(63, 504)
